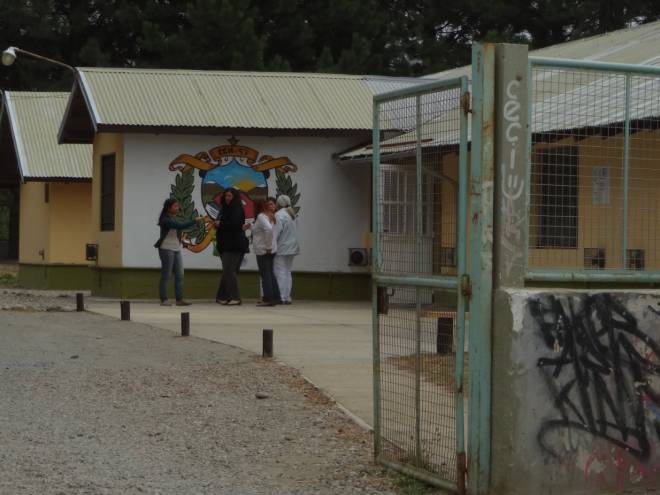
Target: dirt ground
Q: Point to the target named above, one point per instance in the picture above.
(92, 405)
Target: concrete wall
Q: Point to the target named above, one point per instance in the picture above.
(576, 392)
(334, 200)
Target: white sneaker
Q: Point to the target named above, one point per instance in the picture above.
(165, 303)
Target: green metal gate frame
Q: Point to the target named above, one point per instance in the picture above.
(459, 283)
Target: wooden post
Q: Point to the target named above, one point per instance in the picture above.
(445, 336)
(80, 302)
(125, 310)
(267, 348)
(185, 324)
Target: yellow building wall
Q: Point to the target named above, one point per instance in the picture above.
(600, 225)
(110, 243)
(70, 222)
(34, 218)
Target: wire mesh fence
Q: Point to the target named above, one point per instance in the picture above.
(418, 348)
(418, 234)
(420, 336)
(594, 170)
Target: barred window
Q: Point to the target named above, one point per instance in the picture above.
(398, 184)
(555, 201)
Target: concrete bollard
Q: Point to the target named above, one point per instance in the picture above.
(185, 324)
(267, 347)
(125, 310)
(80, 302)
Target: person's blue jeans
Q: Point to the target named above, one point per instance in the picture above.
(268, 281)
(171, 261)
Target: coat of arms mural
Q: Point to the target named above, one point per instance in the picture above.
(222, 167)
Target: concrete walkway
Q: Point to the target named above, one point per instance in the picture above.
(330, 343)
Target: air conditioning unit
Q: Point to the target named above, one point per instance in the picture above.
(358, 257)
(447, 256)
(635, 259)
(594, 259)
(91, 252)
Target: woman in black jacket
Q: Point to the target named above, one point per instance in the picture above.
(232, 246)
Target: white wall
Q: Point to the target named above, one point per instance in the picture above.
(334, 199)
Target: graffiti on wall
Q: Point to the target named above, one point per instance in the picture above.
(603, 374)
(513, 185)
(222, 167)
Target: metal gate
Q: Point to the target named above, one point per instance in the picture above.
(420, 212)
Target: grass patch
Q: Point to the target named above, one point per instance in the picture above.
(438, 369)
(412, 486)
(8, 280)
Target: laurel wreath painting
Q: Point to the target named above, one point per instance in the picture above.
(286, 186)
(182, 189)
(220, 168)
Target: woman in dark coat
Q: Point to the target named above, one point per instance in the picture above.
(232, 245)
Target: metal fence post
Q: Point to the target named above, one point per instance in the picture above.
(626, 174)
(375, 242)
(481, 246)
(462, 293)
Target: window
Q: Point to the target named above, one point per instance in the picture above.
(556, 198)
(398, 198)
(108, 192)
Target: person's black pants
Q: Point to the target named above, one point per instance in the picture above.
(231, 265)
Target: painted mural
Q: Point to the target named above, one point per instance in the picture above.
(222, 167)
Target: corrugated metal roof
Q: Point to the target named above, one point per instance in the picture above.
(635, 45)
(556, 110)
(260, 100)
(35, 118)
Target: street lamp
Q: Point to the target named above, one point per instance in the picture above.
(10, 54)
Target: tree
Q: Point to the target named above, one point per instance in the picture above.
(396, 37)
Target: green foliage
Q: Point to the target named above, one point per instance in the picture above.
(6, 201)
(411, 486)
(8, 280)
(181, 190)
(398, 37)
(284, 185)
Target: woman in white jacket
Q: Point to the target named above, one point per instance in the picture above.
(264, 240)
(287, 246)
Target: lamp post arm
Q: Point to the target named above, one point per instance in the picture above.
(45, 59)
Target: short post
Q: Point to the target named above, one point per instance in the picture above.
(267, 348)
(125, 310)
(80, 302)
(185, 324)
(445, 336)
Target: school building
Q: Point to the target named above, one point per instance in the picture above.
(129, 138)
(53, 185)
(191, 134)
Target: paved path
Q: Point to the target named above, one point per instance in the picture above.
(330, 343)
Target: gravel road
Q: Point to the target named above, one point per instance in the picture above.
(92, 405)
(37, 300)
